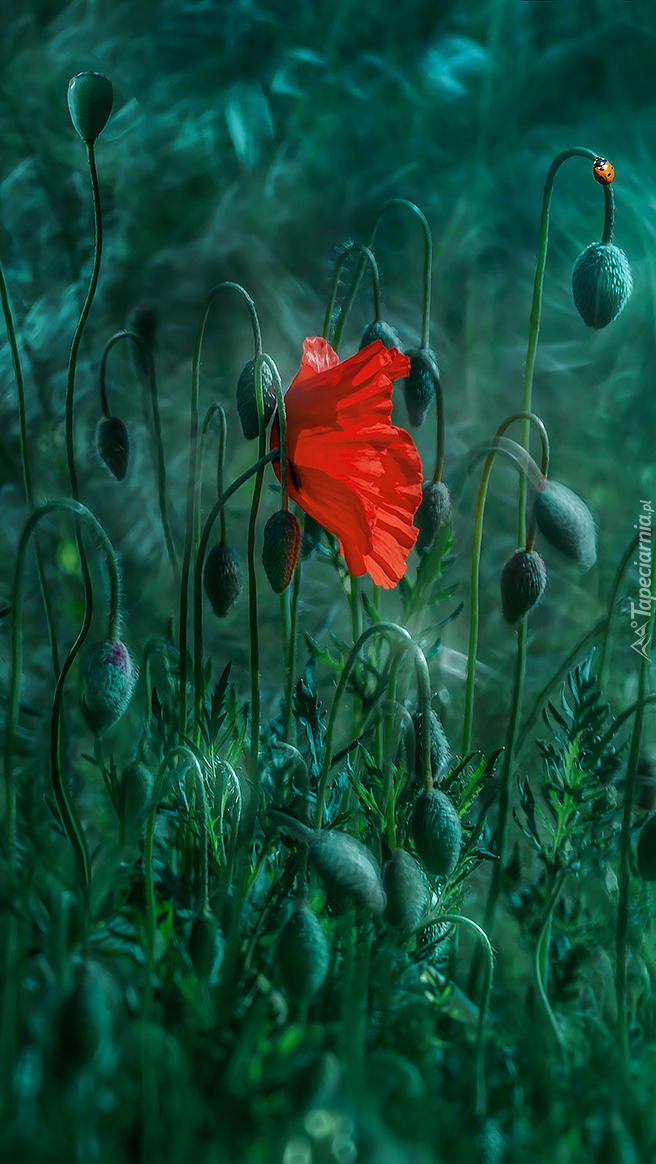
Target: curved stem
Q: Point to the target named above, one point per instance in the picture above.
(457, 919)
(609, 215)
(526, 418)
(541, 958)
(193, 484)
(27, 480)
(426, 356)
(367, 257)
(423, 681)
(158, 444)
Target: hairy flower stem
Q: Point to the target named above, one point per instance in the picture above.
(526, 418)
(480, 1101)
(158, 445)
(193, 483)
(252, 600)
(289, 617)
(428, 267)
(625, 847)
(423, 682)
(367, 257)
(27, 479)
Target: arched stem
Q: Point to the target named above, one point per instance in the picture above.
(193, 485)
(158, 444)
(367, 257)
(423, 681)
(427, 358)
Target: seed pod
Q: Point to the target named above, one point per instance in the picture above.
(346, 866)
(379, 330)
(109, 682)
(523, 580)
(436, 832)
(86, 1018)
(647, 851)
(90, 100)
(282, 542)
(137, 783)
(408, 892)
(566, 523)
(113, 444)
(223, 578)
(206, 946)
(303, 952)
(435, 511)
(247, 400)
(439, 747)
(418, 390)
(601, 283)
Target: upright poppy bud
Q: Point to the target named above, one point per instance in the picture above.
(282, 542)
(379, 330)
(90, 100)
(108, 684)
(523, 580)
(113, 444)
(601, 283)
(247, 400)
(223, 578)
(303, 952)
(435, 511)
(408, 891)
(418, 390)
(436, 832)
(566, 523)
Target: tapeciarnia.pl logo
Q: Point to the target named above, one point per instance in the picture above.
(641, 609)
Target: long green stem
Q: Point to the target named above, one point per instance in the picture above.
(252, 598)
(629, 790)
(288, 733)
(423, 681)
(193, 484)
(27, 479)
(158, 445)
(541, 956)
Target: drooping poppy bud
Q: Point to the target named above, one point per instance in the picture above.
(113, 445)
(439, 746)
(223, 578)
(418, 390)
(435, 511)
(345, 865)
(566, 523)
(601, 283)
(647, 851)
(247, 400)
(137, 783)
(282, 542)
(523, 580)
(90, 100)
(408, 892)
(379, 330)
(206, 946)
(436, 832)
(303, 952)
(108, 684)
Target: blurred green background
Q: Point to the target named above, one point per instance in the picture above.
(249, 141)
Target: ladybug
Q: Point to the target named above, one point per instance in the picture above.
(603, 171)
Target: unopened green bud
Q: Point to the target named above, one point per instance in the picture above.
(282, 542)
(90, 100)
(601, 283)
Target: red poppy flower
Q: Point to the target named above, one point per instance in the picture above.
(349, 467)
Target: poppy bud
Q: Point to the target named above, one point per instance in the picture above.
(247, 400)
(431, 936)
(436, 832)
(601, 283)
(566, 523)
(223, 578)
(379, 330)
(439, 746)
(113, 444)
(206, 946)
(408, 892)
(108, 684)
(647, 851)
(303, 952)
(418, 390)
(347, 868)
(523, 580)
(90, 100)
(282, 542)
(137, 785)
(435, 511)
